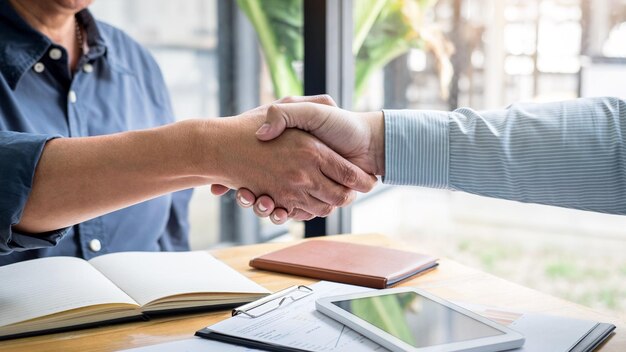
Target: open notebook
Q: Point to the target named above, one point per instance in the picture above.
(55, 293)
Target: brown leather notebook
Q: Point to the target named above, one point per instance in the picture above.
(349, 263)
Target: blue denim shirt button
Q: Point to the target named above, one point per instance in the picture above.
(39, 67)
(55, 53)
(95, 245)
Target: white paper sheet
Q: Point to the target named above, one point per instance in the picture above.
(36, 288)
(543, 333)
(299, 325)
(147, 276)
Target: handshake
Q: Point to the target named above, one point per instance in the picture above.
(301, 157)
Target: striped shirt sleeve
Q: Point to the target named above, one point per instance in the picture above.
(570, 154)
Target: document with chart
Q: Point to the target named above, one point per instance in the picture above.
(295, 327)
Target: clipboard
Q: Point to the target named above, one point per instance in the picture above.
(259, 308)
(274, 301)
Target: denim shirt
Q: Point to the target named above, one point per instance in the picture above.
(117, 87)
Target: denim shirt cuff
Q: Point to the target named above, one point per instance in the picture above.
(19, 156)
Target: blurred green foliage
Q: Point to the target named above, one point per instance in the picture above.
(278, 24)
(563, 269)
(610, 297)
(550, 268)
(383, 30)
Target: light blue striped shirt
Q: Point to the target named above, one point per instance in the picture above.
(570, 154)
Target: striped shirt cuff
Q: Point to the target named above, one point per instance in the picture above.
(416, 148)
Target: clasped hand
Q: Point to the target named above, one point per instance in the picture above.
(300, 175)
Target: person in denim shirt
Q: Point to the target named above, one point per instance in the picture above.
(91, 160)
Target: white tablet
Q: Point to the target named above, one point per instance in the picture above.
(408, 319)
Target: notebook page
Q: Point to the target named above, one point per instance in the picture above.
(147, 276)
(40, 287)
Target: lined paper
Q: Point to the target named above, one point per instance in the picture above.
(40, 287)
(147, 276)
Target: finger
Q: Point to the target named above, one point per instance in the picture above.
(334, 194)
(315, 206)
(245, 198)
(305, 116)
(219, 190)
(324, 99)
(345, 173)
(301, 215)
(264, 206)
(279, 216)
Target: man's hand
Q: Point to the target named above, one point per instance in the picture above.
(359, 137)
(355, 136)
(304, 176)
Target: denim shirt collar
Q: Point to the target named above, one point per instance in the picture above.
(21, 46)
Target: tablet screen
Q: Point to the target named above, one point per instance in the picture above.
(417, 320)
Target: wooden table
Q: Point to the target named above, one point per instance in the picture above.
(451, 280)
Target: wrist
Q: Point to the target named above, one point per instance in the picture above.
(196, 143)
(217, 147)
(376, 123)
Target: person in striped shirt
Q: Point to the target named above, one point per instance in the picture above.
(570, 154)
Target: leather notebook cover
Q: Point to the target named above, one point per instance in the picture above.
(348, 263)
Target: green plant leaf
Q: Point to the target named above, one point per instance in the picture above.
(389, 37)
(285, 17)
(399, 27)
(365, 14)
(383, 30)
(278, 24)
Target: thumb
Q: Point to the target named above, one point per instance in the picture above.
(305, 116)
(274, 124)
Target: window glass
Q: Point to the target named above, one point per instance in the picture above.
(182, 36)
(265, 43)
(278, 25)
(504, 52)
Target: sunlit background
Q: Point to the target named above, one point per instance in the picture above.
(419, 55)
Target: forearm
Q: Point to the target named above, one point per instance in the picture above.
(80, 178)
(567, 154)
